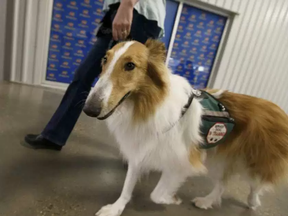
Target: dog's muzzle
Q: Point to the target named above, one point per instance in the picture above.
(92, 111)
(93, 108)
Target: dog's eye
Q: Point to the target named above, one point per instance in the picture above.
(104, 60)
(129, 66)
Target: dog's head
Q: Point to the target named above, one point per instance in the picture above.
(130, 70)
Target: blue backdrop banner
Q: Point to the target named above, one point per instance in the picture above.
(73, 33)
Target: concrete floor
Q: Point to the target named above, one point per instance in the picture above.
(88, 172)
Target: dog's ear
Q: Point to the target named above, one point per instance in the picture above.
(155, 71)
(156, 61)
(156, 49)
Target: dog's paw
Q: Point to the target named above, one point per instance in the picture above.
(110, 210)
(166, 200)
(253, 202)
(206, 202)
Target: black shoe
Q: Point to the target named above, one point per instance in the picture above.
(38, 142)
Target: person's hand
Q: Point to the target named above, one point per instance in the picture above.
(122, 22)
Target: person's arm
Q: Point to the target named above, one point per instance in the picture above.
(123, 20)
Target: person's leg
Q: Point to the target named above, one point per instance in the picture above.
(61, 124)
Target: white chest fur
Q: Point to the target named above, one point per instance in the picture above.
(149, 144)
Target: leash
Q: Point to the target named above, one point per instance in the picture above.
(185, 108)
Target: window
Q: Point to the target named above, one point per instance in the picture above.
(196, 43)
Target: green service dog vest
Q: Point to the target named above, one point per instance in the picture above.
(216, 121)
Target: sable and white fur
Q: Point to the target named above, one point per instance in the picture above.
(152, 136)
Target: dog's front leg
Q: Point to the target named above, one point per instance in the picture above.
(117, 208)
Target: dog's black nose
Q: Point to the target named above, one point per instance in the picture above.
(91, 110)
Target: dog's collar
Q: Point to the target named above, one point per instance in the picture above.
(194, 93)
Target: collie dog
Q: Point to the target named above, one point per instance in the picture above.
(142, 102)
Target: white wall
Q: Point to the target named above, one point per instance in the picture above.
(256, 54)
(3, 7)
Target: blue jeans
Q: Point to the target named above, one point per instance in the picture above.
(64, 119)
